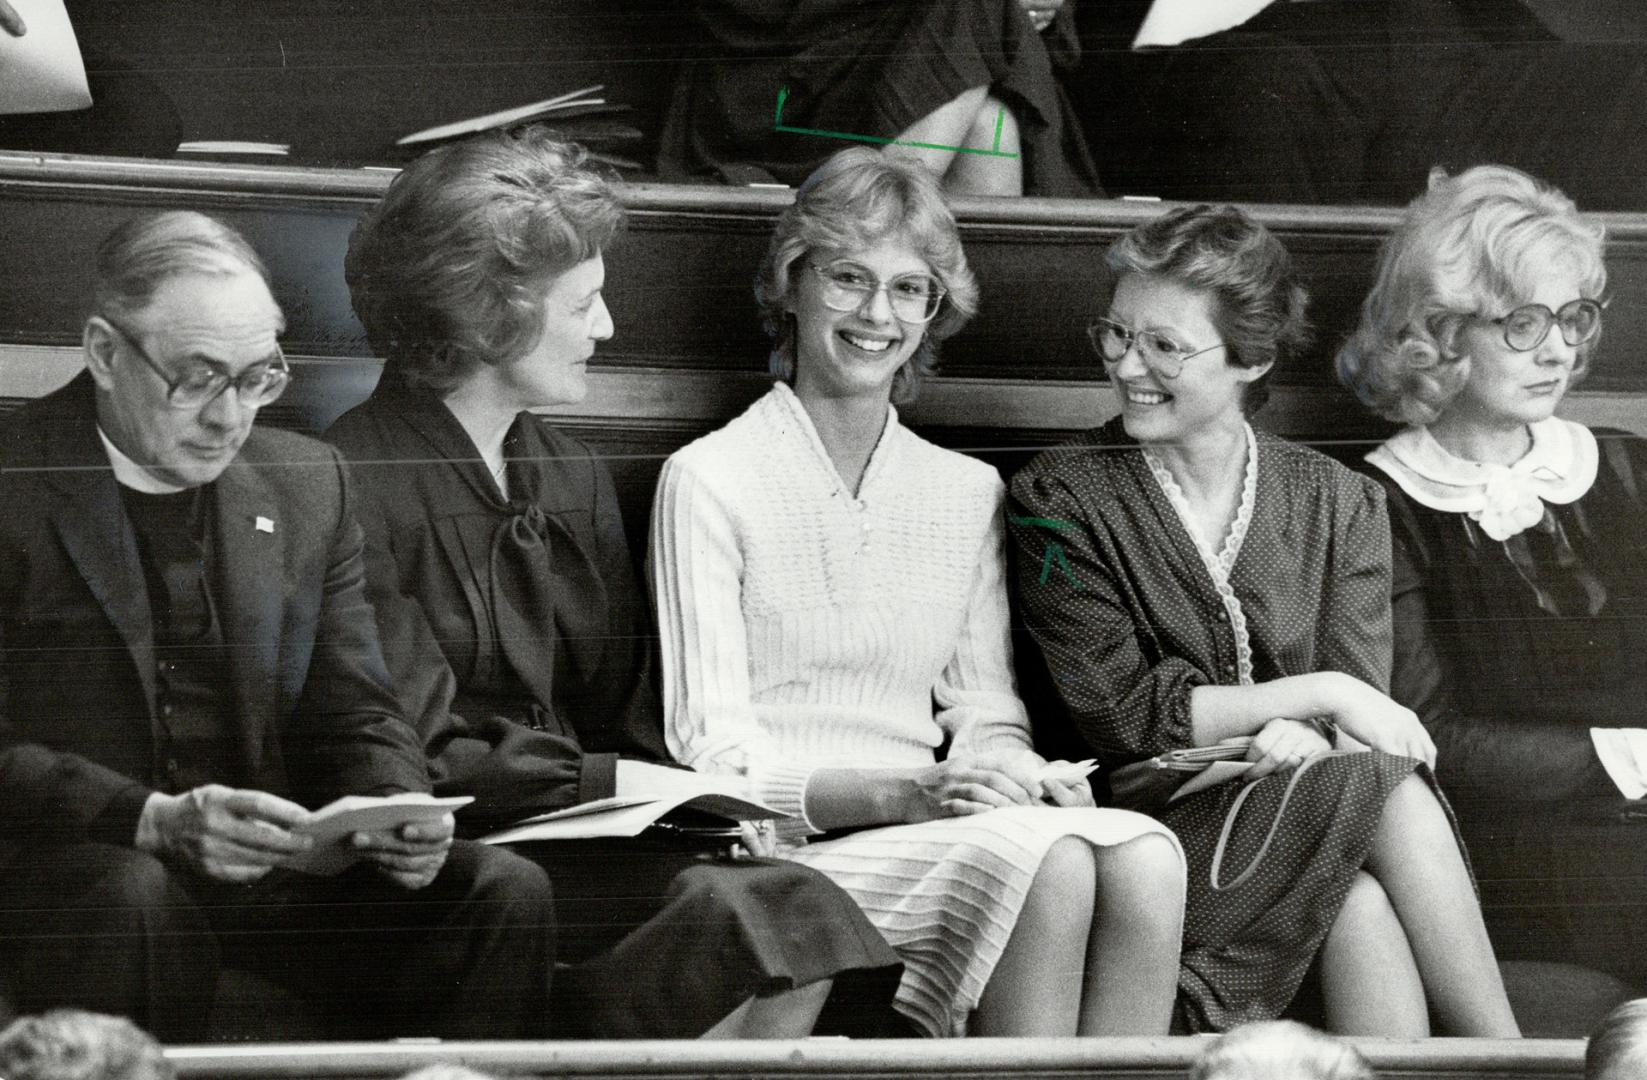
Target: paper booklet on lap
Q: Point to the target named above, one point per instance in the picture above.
(645, 793)
(333, 824)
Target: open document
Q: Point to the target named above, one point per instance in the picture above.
(42, 70)
(645, 793)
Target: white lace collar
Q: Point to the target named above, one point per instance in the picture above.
(1219, 564)
(1504, 499)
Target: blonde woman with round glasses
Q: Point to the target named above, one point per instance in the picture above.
(833, 609)
(1214, 583)
(1520, 588)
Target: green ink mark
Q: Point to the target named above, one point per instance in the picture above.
(1046, 523)
(1056, 551)
(779, 125)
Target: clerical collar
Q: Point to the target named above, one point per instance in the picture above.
(130, 474)
(1505, 499)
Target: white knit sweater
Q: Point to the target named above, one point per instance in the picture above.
(803, 627)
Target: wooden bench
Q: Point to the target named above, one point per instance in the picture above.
(689, 353)
(969, 1059)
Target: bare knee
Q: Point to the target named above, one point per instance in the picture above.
(993, 115)
(1365, 904)
(1144, 875)
(1066, 876)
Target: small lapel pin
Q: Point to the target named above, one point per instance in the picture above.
(264, 524)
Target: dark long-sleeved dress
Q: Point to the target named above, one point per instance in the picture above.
(518, 640)
(1511, 651)
(866, 67)
(1130, 616)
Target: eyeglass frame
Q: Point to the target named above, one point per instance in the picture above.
(879, 287)
(1554, 320)
(279, 366)
(1130, 336)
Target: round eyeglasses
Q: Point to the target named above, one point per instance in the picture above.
(1527, 326)
(1160, 353)
(914, 298)
(199, 382)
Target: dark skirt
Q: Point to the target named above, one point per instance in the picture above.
(1564, 882)
(1247, 948)
(656, 942)
(866, 67)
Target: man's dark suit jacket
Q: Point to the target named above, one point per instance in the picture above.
(80, 737)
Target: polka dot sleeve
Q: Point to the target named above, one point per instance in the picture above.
(1125, 702)
(1354, 629)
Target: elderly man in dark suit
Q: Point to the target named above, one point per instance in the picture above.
(189, 666)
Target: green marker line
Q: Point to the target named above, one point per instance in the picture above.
(1050, 523)
(779, 125)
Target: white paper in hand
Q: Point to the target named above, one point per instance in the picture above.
(42, 70)
(333, 824)
(1173, 22)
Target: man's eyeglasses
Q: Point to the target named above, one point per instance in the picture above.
(1160, 353)
(915, 298)
(200, 382)
(1527, 326)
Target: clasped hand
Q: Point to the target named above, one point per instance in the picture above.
(974, 783)
(238, 836)
(1282, 745)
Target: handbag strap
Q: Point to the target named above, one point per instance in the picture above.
(1269, 837)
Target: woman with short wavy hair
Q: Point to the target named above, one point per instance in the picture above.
(1520, 575)
(831, 598)
(1215, 584)
(510, 617)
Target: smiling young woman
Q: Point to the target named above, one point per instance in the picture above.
(831, 597)
(1520, 584)
(1224, 583)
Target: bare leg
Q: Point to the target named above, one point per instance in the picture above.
(1137, 930)
(1416, 858)
(980, 174)
(1369, 979)
(1036, 987)
(787, 1015)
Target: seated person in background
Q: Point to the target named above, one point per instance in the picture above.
(1618, 1047)
(1224, 583)
(68, 1044)
(831, 597)
(1352, 101)
(1280, 1050)
(978, 74)
(1520, 583)
(503, 585)
(189, 661)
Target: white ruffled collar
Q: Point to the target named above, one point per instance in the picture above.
(1504, 499)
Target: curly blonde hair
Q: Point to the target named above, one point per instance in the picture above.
(1475, 244)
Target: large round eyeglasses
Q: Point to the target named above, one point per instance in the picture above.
(1527, 326)
(915, 298)
(199, 382)
(1160, 353)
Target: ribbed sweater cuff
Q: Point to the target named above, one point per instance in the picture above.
(783, 787)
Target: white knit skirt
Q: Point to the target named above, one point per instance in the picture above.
(947, 893)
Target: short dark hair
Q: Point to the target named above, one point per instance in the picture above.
(69, 1044)
(854, 200)
(1258, 302)
(450, 270)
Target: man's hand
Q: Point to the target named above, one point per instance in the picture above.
(411, 855)
(224, 833)
(11, 22)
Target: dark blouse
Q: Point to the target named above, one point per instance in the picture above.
(1137, 621)
(1512, 650)
(513, 629)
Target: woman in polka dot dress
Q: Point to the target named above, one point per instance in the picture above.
(1190, 580)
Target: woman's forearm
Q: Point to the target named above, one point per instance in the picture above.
(1226, 712)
